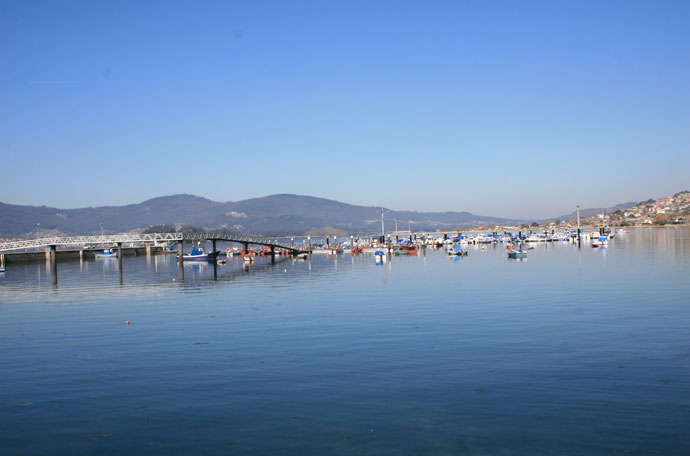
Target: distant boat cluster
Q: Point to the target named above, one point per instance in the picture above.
(454, 243)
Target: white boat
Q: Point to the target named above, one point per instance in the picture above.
(600, 241)
(484, 239)
(232, 251)
(456, 251)
(106, 254)
(560, 236)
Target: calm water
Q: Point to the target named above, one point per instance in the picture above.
(571, 352)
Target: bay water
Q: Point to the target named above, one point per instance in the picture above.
(573, 351)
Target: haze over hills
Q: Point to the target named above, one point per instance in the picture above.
(269, 215)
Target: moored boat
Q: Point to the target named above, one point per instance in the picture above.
(106, 254)
(457, 251)
(232, 251)
(198, 254)
(248, 256)
(516, 252)
(600, 241)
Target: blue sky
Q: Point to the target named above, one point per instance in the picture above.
(504, 108)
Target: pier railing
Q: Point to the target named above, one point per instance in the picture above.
(139, 238)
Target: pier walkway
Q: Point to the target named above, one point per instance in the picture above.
(155, 238)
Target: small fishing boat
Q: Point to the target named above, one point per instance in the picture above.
(198, 254)
(600, 241)
(248, 257)
(232, 251)
(516, 252)
(106, 254)
(457, 251)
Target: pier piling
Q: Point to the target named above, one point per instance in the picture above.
(119, 262)
(52, 254)
(180, 259)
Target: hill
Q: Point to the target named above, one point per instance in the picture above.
(593, 211)
(269, 215)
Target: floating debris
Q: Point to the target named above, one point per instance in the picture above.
(98, 435)
(482, 390)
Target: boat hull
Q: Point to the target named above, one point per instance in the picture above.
(204, 257)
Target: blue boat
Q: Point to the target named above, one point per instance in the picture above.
(198, 254)
(515, 254)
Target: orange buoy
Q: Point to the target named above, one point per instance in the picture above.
(127, 322)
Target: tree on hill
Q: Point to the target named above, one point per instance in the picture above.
(188, 229)
(160, 228)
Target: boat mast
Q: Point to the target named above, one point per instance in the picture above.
(383, 231)
(578, 223)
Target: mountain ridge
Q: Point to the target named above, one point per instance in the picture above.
(277, 214)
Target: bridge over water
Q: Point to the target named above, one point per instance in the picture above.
(148, 239)
(155, 238)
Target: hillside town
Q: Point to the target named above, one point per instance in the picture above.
(673, 209)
